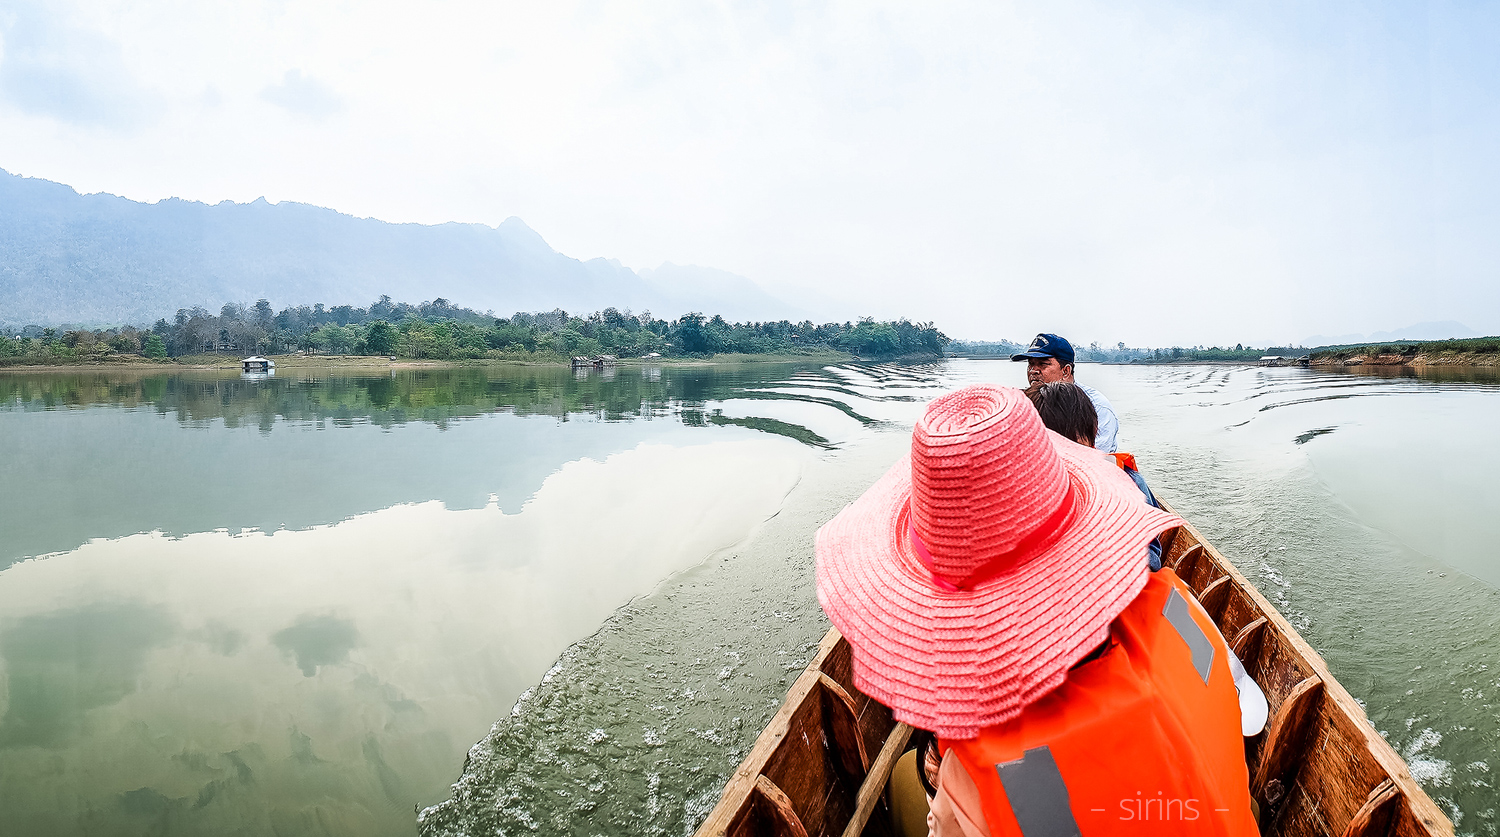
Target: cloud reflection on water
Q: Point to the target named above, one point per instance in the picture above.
(218, 681)
(63, 663)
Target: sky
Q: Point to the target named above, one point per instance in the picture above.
(1151, 173)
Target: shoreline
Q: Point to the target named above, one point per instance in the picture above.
(1173, 362)
(1449, 360)
(197, 363)
(1467, 360)
(378, 362)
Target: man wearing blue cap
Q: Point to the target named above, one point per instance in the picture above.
(1049, 359)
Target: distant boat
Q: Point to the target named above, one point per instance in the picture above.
(1319, 768)
(258, 364)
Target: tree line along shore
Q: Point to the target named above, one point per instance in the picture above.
(441, 331)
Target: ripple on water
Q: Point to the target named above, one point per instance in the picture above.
(1407, 640)
(651, 678)
(680, 683)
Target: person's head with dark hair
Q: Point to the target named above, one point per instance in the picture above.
(1066, 410)
(1034, 393)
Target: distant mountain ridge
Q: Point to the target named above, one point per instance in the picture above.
(101, 259)
(1446, 330)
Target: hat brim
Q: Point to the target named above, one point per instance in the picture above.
(1029, 355)
(956, 662)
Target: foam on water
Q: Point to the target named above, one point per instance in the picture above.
(1425, 768)
(682, 681)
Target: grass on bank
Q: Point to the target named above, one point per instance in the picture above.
(1411, 348)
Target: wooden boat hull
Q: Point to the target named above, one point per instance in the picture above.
(1319, 769)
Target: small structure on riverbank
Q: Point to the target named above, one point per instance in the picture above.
(258, 364)
(1282, 360)
(597, 362)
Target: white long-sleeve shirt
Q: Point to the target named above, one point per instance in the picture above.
(1107, 439)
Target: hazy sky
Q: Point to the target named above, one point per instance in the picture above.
(1170, 173)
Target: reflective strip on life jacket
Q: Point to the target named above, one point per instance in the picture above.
(1179, 618)
(1144, 739)
(1039, 794)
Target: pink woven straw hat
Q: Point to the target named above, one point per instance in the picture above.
(979, 569)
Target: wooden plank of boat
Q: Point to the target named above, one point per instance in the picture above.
(1319, 769)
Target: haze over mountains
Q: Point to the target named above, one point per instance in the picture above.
(1446, 330)
(104, 260)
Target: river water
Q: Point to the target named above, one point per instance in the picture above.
(293, 606)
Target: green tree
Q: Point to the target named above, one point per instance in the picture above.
(872, 339)
(419, 343)
(380, 337)
(335, 339)
(263, 316)
(691, 334)
(154, 347)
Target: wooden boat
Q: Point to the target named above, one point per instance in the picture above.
(1318, 769)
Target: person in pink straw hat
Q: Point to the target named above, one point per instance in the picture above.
(992, 590)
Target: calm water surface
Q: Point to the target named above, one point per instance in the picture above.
(291, 606)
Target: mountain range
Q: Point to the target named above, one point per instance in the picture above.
(99, 259)
(1446, 330)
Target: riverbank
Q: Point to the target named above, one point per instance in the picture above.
(298, 361)
(1477, 351)
(1176, 362)
(1447, 359)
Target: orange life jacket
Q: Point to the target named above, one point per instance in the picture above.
(1125, 460)
(1144, 739)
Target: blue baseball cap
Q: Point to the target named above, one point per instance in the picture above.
(1048, 345)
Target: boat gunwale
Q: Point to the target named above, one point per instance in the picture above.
(1420, 804)
(1319, 693)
